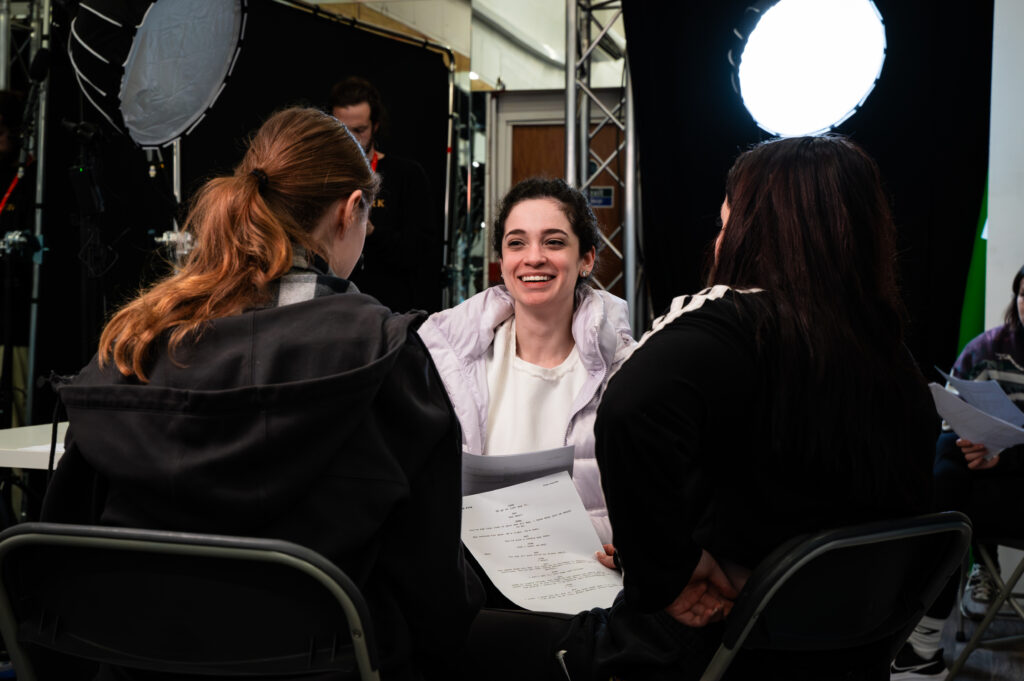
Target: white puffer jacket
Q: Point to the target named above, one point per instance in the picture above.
(458, 339)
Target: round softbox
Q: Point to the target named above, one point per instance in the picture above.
(153, 69)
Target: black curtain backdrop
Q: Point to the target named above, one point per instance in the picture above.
(292, 57)
(926, 123)
(98, 260)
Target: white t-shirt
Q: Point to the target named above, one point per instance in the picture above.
(529, 405)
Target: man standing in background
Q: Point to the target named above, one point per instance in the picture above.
(402, 264)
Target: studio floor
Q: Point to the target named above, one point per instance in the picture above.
(1003, 664)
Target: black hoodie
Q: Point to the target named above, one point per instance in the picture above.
(321, 422)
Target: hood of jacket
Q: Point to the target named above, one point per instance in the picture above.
(458, 339)
(240, 415)
(467, 330)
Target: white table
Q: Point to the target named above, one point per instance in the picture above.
(29, 446)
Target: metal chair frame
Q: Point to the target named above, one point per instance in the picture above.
(792, 558)
(334, 583)
(1006, 595)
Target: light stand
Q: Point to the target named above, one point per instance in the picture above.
(13, 245)
(40, 41)
(177, 243)
(95, 258)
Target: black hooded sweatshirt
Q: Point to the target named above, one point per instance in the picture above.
(321, 422)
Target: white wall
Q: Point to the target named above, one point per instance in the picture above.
(536, 59)
(445, 21)
(512, 44)
(1005, 251)
(504, 65)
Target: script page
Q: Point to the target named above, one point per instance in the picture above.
(987, 396)
(536, 543)
(973, 424)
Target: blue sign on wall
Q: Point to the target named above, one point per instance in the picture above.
(601, 197)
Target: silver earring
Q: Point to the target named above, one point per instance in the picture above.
(585, 273)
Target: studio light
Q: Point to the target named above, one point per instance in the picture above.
(805, 66)
(153, 69)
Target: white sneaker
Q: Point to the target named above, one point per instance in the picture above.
(978, 592)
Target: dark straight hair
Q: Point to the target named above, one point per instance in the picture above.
(1011, 318)
(809, 222)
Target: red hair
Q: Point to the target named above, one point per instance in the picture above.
(299, 163)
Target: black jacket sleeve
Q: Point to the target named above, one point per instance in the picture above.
(656, 448)
(437, 591)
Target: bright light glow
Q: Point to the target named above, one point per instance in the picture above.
(808, 64)
(473, 75)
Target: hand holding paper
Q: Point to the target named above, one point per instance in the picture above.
(977, 455)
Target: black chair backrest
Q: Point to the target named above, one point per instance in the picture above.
(8, 511)
(179, 603)
(854, 588)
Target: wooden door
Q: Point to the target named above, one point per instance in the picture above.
(540, 150)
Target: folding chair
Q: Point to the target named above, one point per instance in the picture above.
(178, 603)
(853, 593)
(1006, 595)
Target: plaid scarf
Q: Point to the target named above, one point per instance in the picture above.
(310, 277)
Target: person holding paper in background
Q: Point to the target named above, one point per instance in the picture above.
(969, 479)
(780, 400)
(526, 362)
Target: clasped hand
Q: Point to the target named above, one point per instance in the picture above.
(707, 597)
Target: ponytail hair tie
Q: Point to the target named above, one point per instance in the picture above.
(261, 178)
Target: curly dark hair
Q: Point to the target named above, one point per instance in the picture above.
(573, 202)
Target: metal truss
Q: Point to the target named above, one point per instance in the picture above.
(585, 32)
(18, 49)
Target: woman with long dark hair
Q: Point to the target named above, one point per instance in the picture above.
(255, 392)
(780, 400)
